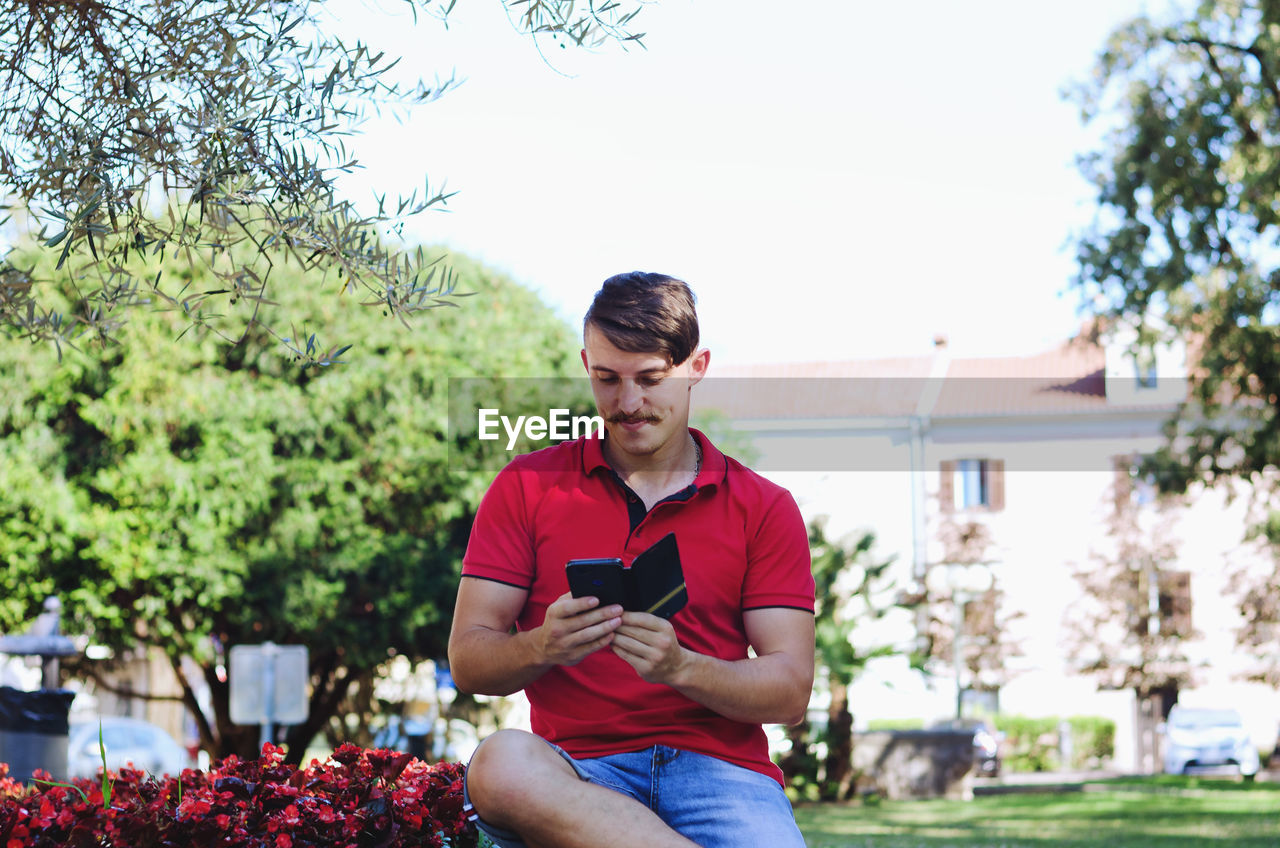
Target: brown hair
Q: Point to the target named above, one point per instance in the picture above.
(642, 312)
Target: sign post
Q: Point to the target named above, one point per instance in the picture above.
(268, 685)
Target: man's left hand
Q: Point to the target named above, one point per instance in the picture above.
(649, 644)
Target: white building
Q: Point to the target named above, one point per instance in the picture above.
(1031, 448)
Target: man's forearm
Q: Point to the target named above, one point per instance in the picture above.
(487, 656)
(772, 686)
(488, 662)
(759, 690)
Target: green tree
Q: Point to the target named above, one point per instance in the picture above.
(853, 590)
(188, 498)
(1184, 243)
(239, 109)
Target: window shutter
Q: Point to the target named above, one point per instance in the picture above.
(995, 484)
(1175, 602)
(1123, 484)
(946, 486)
(1138, 604)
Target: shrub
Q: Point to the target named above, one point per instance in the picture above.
(1033, 744)
(358, 798)
(895, 724)
(1093, 741)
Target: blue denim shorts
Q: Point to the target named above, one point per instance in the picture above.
(711, 802)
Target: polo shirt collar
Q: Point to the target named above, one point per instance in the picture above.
(714, 465)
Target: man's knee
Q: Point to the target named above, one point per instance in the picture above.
(510, 772)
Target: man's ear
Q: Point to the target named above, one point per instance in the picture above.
(698, 364)
(585, 366)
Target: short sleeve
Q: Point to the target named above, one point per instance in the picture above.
(779, 573)
(501, 544)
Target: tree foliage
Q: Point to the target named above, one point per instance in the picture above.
(986, 645)
(240, 111)
(1185, 238)
(853, 590)
(1254, 581)
(1131, 627)
(1186, 242)
(188, 498)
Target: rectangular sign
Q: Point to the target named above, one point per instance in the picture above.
(268, 684)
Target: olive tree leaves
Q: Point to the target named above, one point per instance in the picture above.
(211, 131)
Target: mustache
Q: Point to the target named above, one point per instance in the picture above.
(632, 419)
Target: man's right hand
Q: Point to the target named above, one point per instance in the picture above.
(489, 656)
(575, 628)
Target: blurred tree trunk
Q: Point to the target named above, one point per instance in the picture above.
(838, 783)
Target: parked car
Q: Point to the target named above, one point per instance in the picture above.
(986, 743)
(128, 742)
(1198, 737)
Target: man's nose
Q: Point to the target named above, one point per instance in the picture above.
(631, 397)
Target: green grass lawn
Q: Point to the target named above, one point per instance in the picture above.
(1140, 813)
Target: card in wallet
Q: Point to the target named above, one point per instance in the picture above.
(654, 583)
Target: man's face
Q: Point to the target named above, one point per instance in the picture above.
(643, 397)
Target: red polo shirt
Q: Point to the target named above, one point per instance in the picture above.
(743, 545)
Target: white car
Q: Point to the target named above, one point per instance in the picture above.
(128, 742)
(1197, 737)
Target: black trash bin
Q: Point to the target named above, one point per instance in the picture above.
(33, 731)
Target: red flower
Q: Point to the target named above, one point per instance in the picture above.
(356, 797)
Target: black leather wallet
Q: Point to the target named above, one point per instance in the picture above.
(654, 583)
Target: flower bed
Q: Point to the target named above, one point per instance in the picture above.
(358, 798)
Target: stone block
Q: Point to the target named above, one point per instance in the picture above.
(902, 764)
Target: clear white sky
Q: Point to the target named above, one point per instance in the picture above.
(835, 178)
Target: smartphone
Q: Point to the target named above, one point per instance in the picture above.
(599, 578)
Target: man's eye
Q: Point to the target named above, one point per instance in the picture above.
(649, 382)
(608, 381)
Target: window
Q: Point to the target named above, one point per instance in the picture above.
(1145, 370)
(1175, 603)
(1147, 379)
(1162, 603)
(971, 484)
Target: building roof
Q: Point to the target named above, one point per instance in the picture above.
(1070, 378)
(825, 390)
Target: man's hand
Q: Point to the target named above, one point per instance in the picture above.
(649, 644)
(489, 656)
(575, 628)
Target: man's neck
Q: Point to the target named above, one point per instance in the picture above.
(678, 456)
(656, 477)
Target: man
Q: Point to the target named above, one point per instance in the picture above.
(654, 725)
